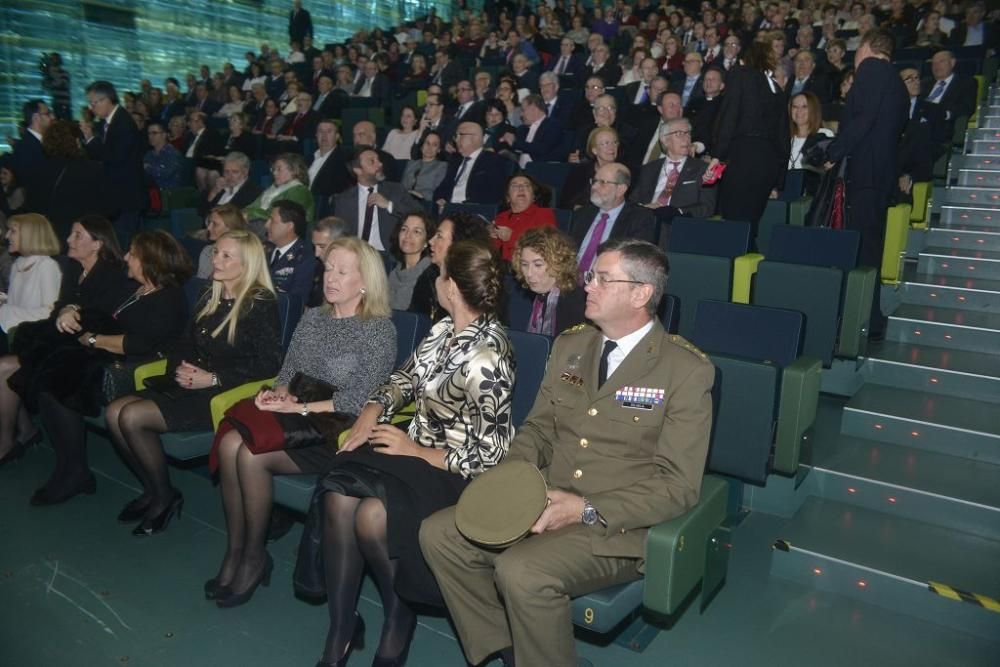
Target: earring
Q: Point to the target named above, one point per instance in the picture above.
(362, 290)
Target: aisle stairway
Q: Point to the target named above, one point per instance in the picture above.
(900, 506)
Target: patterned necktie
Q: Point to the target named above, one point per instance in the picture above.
(938, 91)
(587, 258)
(668, 189)
(645, 95)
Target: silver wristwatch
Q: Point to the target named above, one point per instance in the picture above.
(92, 341)
(590, 515)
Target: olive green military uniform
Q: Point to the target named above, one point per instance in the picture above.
(635, 448)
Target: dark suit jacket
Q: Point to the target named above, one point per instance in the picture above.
(876, 112)
(547, 142)
(959, 97)
(306, 129)
(629, 91)
(244, 197)
(380, 87)
(818, 85)
(677, 86)
(451, 75)
(29, 164)
(210, 143)
(299, 25)
(403, 203)
(562, 110)
(528, 79)
(923, 140)
(958, 35)
(574, 68)
(209, 107)
(293, 272)
(474, 114)
(486, 181)
(702, 115)
(634, 222)
(334, 176)
(689, 196)
(333, 104)
(120, 150)
(275, 86)
(609, 73)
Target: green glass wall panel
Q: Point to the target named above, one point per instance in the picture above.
(124, 41)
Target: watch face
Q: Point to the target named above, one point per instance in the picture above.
(589, 516)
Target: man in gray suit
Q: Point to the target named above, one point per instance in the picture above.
(373, 207)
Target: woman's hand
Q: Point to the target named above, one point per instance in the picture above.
(190, 376)
(361, 432)
(68, 320)
(278, 403)
(574, 157)
(271, 395)
(388, 439)
(501, 232)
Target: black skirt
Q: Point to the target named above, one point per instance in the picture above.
(190, 412)
(411, 490)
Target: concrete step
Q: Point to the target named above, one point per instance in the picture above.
(912, 483)
(967, 237)
(936, 370)
(979, 178)
(985, 216)
(992, 121)
(948, 328)
(983, 147)
(982, 134)
(967, 196)
(891, 562)
(959, 262)
(951, 292)
(959, 162)
(945, 424)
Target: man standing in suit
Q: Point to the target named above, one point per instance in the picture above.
(299, 23)
(612, 470)
(474, 175)
(374, 207)
(808, 80)
(28, 159)
(539, 138)
(954, 93)
(235, 186)
(328, 171)
(568, 64)
(672, 186)
(869, 134)
(289, 257)
(118, 146)
(608, 215)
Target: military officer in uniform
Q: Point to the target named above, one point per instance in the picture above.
(620, 431)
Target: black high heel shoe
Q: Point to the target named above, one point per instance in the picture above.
(43, 496)
(400, 659)
(214, 591)
(135, 509)
(357, 642)
(20, 449)
(159, 523)
(234, 599)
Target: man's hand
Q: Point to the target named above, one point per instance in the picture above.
(378, 199)
(562, 509)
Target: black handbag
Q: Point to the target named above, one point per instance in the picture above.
(119, 379)
(309, 578)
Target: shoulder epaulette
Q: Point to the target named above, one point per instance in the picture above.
(682, 342)
(576, 329)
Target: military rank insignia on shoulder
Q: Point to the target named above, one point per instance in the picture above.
(682, 342)
(576, 329)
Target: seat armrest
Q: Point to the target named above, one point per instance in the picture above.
(798, 210)
(744, 267)
(800, 382)
(856, 314)
(152, 369)
(401, 417)
(676, 549)
(227, 399)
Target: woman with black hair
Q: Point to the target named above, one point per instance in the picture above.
(453, 228)
(411, 250)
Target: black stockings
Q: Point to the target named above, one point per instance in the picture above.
(135, 425)
(354, 533)
(68, 435)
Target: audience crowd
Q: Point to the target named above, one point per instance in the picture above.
(538, 149)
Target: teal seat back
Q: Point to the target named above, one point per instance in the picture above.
(814, 291)
(531, 354)
(410, 330)
(696, 277)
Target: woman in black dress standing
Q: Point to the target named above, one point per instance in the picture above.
(233, 338)
(751, 137)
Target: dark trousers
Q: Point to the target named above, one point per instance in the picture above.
(866, 212)
(751, 173)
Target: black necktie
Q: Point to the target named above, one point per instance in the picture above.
(275, 257)
(602, 370)
(461, 170)
(369, 216)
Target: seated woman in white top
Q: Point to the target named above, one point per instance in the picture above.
(400, 141)
(35, 276)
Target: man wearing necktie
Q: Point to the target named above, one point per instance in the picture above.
(954, 93)
(620, 432)
(289, 258)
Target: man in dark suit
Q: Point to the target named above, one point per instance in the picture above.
(202, 102)
(525, 77)
(973, 31)
(567, 63)
(300, 125)
(275, 83)
(28, 160)
(702, 112)
(445, 73)
(557, 107)
(203, 144)
(118, 146)
(289, 257)
(299, 23)
(235, 187)
(372, 84)
(468, 109)
(808, 80)
(330, 101)
(954, 93)
(668, 107)
(374, 207)
(364, 134)
(672, 186)
(601, 66)
(689, 86)
(638, 93)
(474, 175)
(539, 138)
(608, 215)
(318, 70)
(328, 171)
(254, 108)
(924, 137)
(868, 137)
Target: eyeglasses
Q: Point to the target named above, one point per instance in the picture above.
(519, 186)
(679, 132)
(910, 78)
(601, 181)
(604, 107)
(603, 281)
